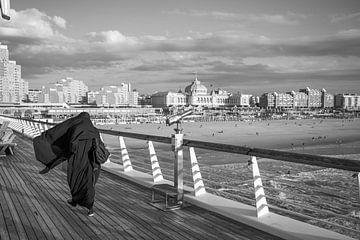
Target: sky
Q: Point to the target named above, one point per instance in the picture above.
(247, 46)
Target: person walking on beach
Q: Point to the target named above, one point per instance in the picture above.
(78, 142)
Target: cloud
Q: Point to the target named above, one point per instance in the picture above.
(60, 22)
(111, 37)
(32, 23)
(346, 17)
(289, 18)
(38, 43)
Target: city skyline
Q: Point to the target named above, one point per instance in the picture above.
(246, 46)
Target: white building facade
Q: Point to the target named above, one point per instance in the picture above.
(13, 89)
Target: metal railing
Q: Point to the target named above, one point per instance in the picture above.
(295, 194)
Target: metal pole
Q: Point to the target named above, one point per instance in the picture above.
(178, 164)
(358, 178)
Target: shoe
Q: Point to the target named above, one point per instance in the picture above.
(91, 212)
(71, 202)
(45, 170)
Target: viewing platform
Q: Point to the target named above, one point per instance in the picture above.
(34, 206)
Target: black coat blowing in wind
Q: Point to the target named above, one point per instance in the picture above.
(76, 141)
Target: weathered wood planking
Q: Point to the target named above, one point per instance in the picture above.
(33, 206)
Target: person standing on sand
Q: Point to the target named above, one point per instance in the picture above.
(78, 142)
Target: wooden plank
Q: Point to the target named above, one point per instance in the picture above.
(127, 212)
(6, 211)
(3, 225)
(47, 226)
(40, 220)
(17, 196)
(121, 208)
(26, 191)
(81, 215)
(148, 215)
(40, 187)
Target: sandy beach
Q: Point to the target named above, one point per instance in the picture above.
(316, 136)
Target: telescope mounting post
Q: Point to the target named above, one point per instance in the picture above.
(177, 146)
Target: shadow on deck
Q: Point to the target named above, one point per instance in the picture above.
(33, 206)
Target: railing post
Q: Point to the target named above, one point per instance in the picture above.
(156, 170)
(125, 156)
(261, 203)
(199, 187)
(358, 178)
(177, 146)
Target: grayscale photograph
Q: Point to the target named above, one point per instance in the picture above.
(184, 120)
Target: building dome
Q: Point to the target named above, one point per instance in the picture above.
(196, 88)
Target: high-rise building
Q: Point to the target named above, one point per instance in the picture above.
(300, 99)
(33, 95)
(13, 88)
(267, 100)
(73, 91)
(240, 100)
(327, 99)
(314, 97)
(114, 96)
(347, 101)
(283, 100)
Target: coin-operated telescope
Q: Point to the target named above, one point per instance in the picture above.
(176, 119)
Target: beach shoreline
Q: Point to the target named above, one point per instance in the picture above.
(313, 136)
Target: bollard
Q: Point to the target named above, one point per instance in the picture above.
(261, 203)
(156, 170)
(199, 187)
(125, 156)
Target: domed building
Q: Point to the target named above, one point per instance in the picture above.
(197, 95)
(196, 88)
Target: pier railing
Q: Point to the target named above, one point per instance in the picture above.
(319, 190)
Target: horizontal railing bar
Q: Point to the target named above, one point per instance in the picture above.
(314, 160)
(140, 136)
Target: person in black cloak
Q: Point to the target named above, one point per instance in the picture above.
(78, 142)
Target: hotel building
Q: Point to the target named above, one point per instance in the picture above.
(13, 89)
(347, 101)
(196, 94)
(114, 96)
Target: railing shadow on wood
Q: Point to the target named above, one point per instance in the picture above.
(33, 128)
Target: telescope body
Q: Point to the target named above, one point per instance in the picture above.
(177, 118)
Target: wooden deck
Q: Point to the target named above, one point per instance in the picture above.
(33, 206)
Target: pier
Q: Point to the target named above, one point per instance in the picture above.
(34, 206)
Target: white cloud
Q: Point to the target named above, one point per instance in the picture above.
(32, 23)
(111, 37)
(346, 17)
(349, 33)
(36, 42)
(288, 18)
(60, 22)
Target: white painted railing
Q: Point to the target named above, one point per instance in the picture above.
(199, 185)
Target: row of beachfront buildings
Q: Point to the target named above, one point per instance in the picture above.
(13, 89)
(196, 94)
